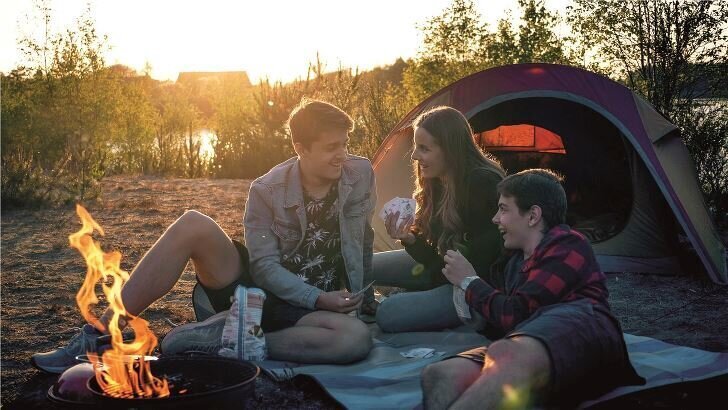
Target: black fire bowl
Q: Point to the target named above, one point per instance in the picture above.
(200, 382)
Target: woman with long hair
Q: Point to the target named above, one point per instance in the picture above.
(456, 198)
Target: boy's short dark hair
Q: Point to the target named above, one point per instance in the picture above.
(312, 117)
(540, 187)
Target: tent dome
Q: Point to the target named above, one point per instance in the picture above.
(629, 178)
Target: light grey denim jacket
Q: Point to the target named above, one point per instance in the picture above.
(275, 224)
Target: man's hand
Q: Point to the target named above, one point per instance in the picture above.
(457, 267)
(338, 301)
(401, 232)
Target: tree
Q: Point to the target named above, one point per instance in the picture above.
(134, 145)
(453, 47)
(662, 49)
(63, 104)
(674, 53)
(457, 44)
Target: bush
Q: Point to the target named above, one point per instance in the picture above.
(26, 184)
(704, 129)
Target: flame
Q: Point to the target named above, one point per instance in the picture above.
(118, 372)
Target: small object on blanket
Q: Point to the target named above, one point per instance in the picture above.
(405, 207)
(421, 353)
(242, 337)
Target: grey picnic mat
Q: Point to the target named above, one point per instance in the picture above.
(387, 380)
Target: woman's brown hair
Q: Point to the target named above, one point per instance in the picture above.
(444, 200)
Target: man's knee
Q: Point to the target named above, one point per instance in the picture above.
(521, 354)
(439, 373)
(523, 349)
(194, 224)
(350, 338)
(192, 218)
(502, 351)
(359, 338)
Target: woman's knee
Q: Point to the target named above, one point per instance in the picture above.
(387, 316)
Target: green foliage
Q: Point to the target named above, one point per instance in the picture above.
(674, 53)
(62, 107)
(251, 130)
(457, 43)
(382, 106)
(453, 47)
(134, 147)
(68, 119)
(704, 128)
(661, 49)
(26, 184)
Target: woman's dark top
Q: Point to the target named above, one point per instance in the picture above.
(483, 242)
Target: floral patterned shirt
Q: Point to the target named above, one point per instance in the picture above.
(318, 260)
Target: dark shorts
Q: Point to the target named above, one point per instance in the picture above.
(277, 313)
(586, 347)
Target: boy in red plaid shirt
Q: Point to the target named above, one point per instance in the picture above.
(555, 339)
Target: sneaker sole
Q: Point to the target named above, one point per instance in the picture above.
(50, 369)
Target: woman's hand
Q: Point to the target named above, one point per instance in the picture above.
(401, 232)
(457, 267)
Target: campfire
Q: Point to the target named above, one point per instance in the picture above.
(123, 376)
(120, 371)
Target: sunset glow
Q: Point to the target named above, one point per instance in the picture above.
(273, 38)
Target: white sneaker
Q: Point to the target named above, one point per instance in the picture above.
(204, 337)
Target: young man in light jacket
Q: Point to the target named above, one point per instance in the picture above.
(308, 230)
(309, 236)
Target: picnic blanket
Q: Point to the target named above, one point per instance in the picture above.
(388, 380)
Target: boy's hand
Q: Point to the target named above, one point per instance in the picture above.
(341, 301)
(457, 267)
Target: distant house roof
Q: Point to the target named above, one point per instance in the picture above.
(209, 76)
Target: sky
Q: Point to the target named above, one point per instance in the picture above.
(271, 38)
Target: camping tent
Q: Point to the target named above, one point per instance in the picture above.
(630, 182)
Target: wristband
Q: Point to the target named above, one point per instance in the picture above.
(465, 282)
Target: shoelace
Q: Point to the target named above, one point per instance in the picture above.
(80, 341)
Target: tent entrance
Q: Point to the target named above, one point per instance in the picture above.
(574, 140)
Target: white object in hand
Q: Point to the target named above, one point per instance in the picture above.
(405, 206)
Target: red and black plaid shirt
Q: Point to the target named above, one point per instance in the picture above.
(562, 268)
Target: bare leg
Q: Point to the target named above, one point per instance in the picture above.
(444, 382)
(321, 337)
(515, 370)
(192, 236)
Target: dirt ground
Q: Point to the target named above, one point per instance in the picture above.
(41, 274)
